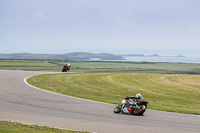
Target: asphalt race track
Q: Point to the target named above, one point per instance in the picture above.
(22, 103)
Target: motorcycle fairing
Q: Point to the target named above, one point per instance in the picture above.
(143, 102)
(126, 110)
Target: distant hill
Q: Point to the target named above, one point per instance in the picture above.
(67, 56)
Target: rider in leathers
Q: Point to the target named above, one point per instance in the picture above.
(138, 98)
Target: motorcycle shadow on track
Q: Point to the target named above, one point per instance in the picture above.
(128, 114)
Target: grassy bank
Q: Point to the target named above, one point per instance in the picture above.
(14, 127)
(174, 93)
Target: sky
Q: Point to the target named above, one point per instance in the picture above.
(100, 26)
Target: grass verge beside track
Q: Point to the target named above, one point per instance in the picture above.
(14, 127)
(101, 66)
(165, 92)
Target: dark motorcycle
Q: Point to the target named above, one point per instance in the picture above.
(66, 68)
(132, 105)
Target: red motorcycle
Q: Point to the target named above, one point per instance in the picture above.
(132, 105)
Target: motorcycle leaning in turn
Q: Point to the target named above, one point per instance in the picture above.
(132, 105)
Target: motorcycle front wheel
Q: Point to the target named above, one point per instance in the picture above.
(139, 111)
(117, 109)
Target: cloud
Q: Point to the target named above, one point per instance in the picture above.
(35, 17)
(38, 16)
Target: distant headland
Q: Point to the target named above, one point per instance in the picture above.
(75, 56)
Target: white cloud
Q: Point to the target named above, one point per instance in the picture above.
(38, 16)
(22, 19)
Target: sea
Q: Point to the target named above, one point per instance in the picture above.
(172, 59)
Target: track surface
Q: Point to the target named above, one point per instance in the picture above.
(22, 103)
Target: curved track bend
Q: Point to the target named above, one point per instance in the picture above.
(22, 103)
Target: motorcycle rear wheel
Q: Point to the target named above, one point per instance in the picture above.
(64, 70)
(117, 109)
(140, 111)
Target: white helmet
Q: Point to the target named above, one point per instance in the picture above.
(138, 95)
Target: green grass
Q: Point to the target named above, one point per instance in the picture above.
(14, 127)
(110, 81)
(100, 66)
(29, 65)
(166, 92)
